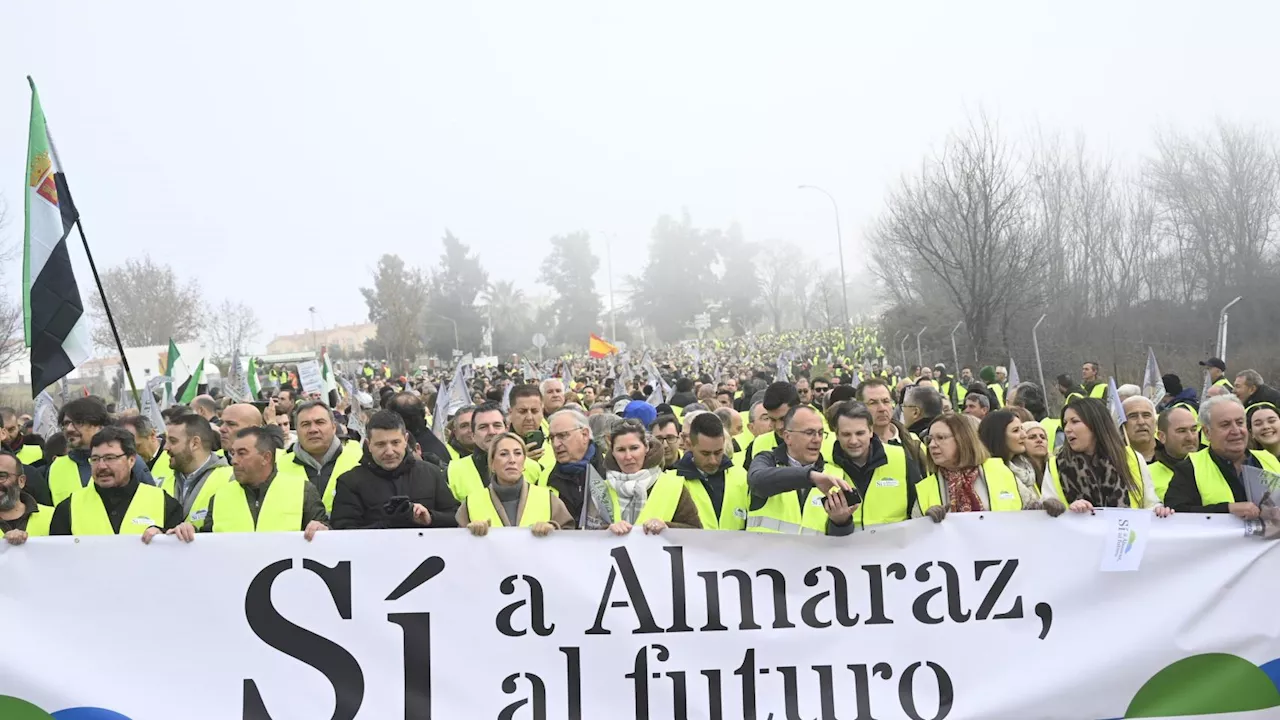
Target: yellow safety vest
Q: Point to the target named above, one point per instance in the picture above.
(64, 479)
(1212, 485)
(760, 444)
(1161, 475)
(733, 509)
(38, 522)
(464, 477)
(1135, 501)
(1051, 427)
(453, 454)
(1098, 391)
(89, 515)
(782, 514)
(1224, 382)
(661, 502)
(29, 454)
(348, 458)
(281, 509)
(537, 508)
(1002, 487)
(218, 477)
(887, 494)
(162, 468)
(998, 390)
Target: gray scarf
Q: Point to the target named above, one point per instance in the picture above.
(632, 490)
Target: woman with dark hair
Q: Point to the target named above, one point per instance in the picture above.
(1264, 428)
(967, 478)
(1094, 468)
(636, 491)
(1001, 433)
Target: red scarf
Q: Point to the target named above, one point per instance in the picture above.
(960, 489)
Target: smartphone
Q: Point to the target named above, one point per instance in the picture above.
(535, 438)
(261, 405)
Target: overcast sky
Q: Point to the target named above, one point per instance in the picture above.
(276, 149)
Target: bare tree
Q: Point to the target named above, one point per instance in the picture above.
(232, 326)
(775, 280)
(149, 303)
(959, 235)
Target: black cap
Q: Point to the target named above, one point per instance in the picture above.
(1214, 363)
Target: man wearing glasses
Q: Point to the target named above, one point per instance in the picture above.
(115, 503)
(81, 419)
(788, 483)
(666, 430)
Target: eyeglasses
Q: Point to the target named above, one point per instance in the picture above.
(668, 440)
(99, 459)
(564, 436)
(5, 477)
(811, 434)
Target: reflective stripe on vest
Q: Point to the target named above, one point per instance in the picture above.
(782, 514)
(537, 507)
(1135, 501)
(1002, 488)
(217, 477)
(64, 479)
(661, 502)
(89, 515)
(38, 522)
(887, 493)
(733, 509)
(281, 509)
(348, 458)
(29, 454)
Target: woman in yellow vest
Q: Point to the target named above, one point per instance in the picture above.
(1264, 428)
(637, 491)
(1002, 435)
(511, 500)
(967, 479)
(1095, 469)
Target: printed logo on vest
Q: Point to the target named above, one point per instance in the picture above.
(887, 482)
(143, 521)
(1006, 495)
(740, 513)
(199, 515)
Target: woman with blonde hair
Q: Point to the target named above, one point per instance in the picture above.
(510, 500)
(968, 479)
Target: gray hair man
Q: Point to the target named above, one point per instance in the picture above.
(1212, 480)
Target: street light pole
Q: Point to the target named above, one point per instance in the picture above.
(920, 355)
(312, 310)
(844, 284)
(456, 345)
(608, 261)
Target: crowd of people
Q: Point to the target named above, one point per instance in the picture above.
(786, 434)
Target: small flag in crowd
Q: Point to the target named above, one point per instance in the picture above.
(600, 348)
(1013, 377)
(44, 421)
(150, 408)
(57, 327)
(1117, 407)
(1152, 381)
(784, 366)
(189, 389)
(255, 385)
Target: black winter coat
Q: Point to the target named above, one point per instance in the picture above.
(360, 501)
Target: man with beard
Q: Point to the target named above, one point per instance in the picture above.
(390, 488)
(151, 446)
(115, 502)
(81, 418)
(471, 473)
(15, 441)
(20, 515)
(198, 472)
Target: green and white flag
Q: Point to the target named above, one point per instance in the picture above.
(254, 385)
(189, 389)
(326, 372)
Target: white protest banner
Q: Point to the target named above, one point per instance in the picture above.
(310, 377)
(977, 617)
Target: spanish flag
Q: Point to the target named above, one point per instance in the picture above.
(600, 347)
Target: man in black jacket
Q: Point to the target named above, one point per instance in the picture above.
(1251, 390)
(390, 488)
(1223, 418)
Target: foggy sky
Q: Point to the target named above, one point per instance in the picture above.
(276, 149)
